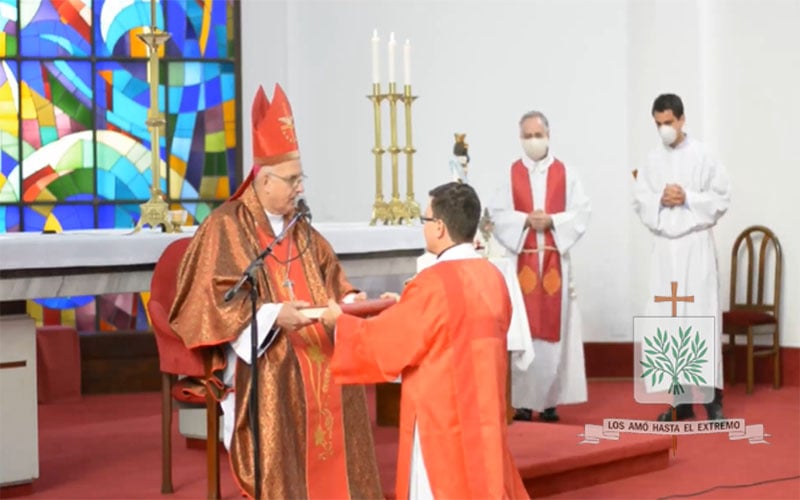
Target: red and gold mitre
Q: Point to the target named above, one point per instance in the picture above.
(274, 138)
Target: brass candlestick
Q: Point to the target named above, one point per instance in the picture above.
(412, 210)
(380, 209)
(396, 206)
(155, 211)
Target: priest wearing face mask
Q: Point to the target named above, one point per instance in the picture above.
(680, 194)
(539, 213)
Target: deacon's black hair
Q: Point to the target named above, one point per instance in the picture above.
(459, 207)
(668, 101)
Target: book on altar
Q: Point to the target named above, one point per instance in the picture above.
(363, 308)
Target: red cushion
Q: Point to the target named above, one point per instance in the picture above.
(189, 390)
(173, 356)
(746, 318)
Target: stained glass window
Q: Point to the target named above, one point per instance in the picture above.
(74, 146)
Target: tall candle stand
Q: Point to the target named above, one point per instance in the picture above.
(396, 206)
(380, 209)
(412, 210)
(155, 211)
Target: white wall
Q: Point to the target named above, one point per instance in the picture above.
(755, 120)
(593, 66)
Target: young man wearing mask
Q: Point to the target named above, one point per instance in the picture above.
(680, 194)
(539, 213)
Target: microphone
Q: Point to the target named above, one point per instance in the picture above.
(302, 209)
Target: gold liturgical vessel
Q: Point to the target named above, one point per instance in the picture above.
(155, 212)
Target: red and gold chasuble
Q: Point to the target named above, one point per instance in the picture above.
(541, 288)
(326, 463)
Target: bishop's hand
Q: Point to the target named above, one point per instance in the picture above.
(290, 318)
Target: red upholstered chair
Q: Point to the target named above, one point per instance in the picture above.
(175, 359)
(752, 311)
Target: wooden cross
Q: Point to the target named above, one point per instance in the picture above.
(674, 299)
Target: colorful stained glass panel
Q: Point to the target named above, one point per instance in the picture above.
(55, 28)
(110, 216)
(58, 217)
(9, 219)
(123, 99)
(8, 28)
(72, 124)
(56, 100)
(201, 124)
(60, 171)
(123, 167)
(117, 24)
(200, 29)
(9, 132)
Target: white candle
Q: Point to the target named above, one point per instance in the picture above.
(376, 74)
(392, 46)
(407, 61)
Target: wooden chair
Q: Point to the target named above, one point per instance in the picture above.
(176, 359)
(752, 313)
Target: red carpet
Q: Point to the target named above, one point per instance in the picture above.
(108, 447)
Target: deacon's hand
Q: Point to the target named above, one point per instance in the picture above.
(330, 315)
(673, 196)
(680, 195)
(290, 319)
(360, 297)
(391, 295)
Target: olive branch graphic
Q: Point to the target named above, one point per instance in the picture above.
(674, 357)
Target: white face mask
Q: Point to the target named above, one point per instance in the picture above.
(535, 147)
(668, 134)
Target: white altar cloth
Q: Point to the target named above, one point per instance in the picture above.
(94, 262)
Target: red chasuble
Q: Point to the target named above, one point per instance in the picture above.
(541, 288)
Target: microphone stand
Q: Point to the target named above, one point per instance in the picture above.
(249, 276)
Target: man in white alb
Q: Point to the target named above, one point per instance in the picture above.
(680, 194)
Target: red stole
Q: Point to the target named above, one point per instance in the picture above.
(540, 290)
(326, 462)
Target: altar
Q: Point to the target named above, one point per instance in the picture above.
(95, 262)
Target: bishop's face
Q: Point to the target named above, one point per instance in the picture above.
(279, 185)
